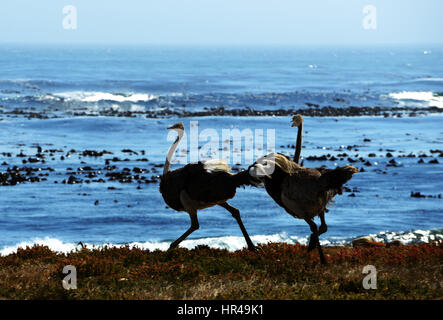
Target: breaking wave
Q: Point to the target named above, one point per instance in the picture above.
(233, 243)
(425, 98)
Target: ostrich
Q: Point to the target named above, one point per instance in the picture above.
(303, 192)
(201, 185)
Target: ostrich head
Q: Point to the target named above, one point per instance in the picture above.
(297, 120)
(262, 169)
(179, 126)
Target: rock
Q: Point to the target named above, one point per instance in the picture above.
(366, 242)
(394, 243)
(417, 195)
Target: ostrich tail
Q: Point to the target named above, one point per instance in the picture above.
(335, 179)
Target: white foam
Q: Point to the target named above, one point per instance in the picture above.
(426, 97)
(233, 243)
(430, 79)
(55, 245)
(95, 96)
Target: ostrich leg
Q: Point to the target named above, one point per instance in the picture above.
(236, 214)
(323, 227)
(194, 226)
(314, 241)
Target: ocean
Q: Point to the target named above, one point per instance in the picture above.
(86, 127)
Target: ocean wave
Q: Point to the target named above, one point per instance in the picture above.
(430, 79)
(96, 96)
(432, 99)
(233, 243)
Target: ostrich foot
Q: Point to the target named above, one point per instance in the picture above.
(254, 248)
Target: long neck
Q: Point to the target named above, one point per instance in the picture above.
(298, 146)
(167, 166)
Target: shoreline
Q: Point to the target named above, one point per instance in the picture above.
(236, 243)
(312, 111)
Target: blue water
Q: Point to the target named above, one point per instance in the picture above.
(198, 77)
(63, 80)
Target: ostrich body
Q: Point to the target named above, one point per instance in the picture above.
(201, 185)
(303, 192)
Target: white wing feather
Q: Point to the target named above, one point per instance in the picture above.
(215, 165)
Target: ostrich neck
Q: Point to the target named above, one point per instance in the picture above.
(298, 145)
(171, 151)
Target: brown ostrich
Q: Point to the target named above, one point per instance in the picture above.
(303, 192)
(201, 185)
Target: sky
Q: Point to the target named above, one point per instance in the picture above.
(236, 22)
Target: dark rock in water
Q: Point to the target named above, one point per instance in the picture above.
(389, 155)
(368, 164)
(129, 151)
(315, 158)
(417, 195)
(366, 140)
(312, 105)
(96, 203)
(434, 161)
(420, 161)
(372, 155)
(393, 163)
(93, 153)
(71, 180)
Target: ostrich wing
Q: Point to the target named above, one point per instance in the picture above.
(302, 194)
(210, 187)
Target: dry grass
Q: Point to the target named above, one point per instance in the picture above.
(277, 271)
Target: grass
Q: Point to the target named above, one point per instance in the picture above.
(277, 271)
